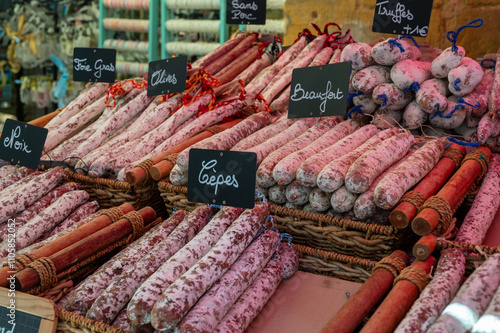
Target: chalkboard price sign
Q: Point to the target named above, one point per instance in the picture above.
(22, 144)
(246, 11)
(319, 91)
(167, 76)
(222, 177)
(402, 17)
(23, 313)
(94, 65)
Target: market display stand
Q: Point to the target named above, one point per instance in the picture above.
(303, 303)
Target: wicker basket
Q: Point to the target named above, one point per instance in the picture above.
(112, 193)
(334, 264)
(332, 234)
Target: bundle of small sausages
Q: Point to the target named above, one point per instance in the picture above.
(35, 206)
(452, 92)
(195, 272)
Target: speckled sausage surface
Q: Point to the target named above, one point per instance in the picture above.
(180, 296)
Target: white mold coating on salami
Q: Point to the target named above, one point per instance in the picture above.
(77, 215)
(437, 294)
(14, 177)
(371, 164)
(366, 102)
(359, 54)
(446, 61)
(218, 300)
(308, 172)
(395, 184)
(474, 295)
(486, 204)
(390, 97)
(333, 174)
(408, 72)
(319, 200)
(432, 95)
(29, 192)
(456, 119)
(480, 95)
(178, 176)
(141, 304)
(297, 194)
(265, 170)
(285, 171)
(116, 296)
(343, 200)
(277, 194)
(253, 299)
(82, 298)
(386, 118)
(290, 259)
(464, 78)
(48, 218)
(368, 78)
(383, 53)
(414, 116)
(181, 295)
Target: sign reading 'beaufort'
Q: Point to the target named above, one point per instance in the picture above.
(94, 65)
(22, 144)
(222, 177)
(402, 17)
(167, 76)
(319, 91)
(246, 12)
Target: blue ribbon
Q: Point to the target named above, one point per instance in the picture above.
(462, 101)
(463, 143)
(351, 95)
(410, 38)
(439, 114)
(415, 86)
(453, 35)
(215, 206)
(62, 84)
(384, 98)
(488, 59)
(260, 197)
(455, 84)
(394, 42)
(288, 236)
(357, 109)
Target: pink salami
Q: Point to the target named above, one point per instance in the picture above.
(263, 134)
(372, 163)
(359, 54)
(14, 177)
(76, 216)
(82, 297)
(432, 95)
(368, 78)
(142, 302)
(446, 61)
(308, 172)
(218, 300)
(116, 296)
(181, 295)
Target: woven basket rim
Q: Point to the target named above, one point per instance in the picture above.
(355, 261)
(123, 185)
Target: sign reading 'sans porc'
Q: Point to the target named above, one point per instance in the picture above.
(246, 11)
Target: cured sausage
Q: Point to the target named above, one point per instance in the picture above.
(116, 296)
(372, 163)
(464, 78)
(409, 74)
(308, 172)
(181, 295)
(368, 78)
(82, 297)
(414, 116)
(218, 300)
(285, 171)
(446, 61)
(359, 54)
(343, 200)
(141, 304)
(431, 96)
(392, 50)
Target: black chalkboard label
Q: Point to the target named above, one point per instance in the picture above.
(222, 177)
(22, 144)
(402, 17)
(18, 321)
(94, 65)
(246, 12)
(319, 91)
(167, 76)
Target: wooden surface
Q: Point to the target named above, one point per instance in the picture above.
(303, 303)
(37, 306)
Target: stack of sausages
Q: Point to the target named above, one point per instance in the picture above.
(35, 206)
(196, 271)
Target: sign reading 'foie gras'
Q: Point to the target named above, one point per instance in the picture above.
(94, 65)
